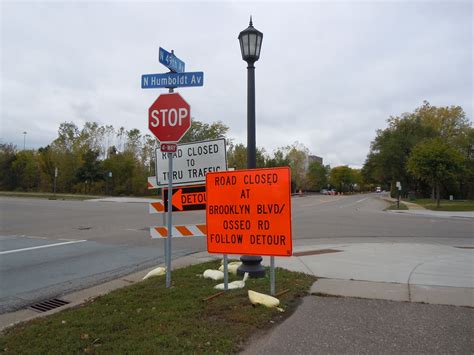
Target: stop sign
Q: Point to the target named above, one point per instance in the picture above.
(169, 117)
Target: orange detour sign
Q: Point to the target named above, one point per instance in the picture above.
(249, 212)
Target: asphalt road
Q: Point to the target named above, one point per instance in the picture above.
(48, 248)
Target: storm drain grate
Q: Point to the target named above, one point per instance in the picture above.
(48, 305)
(316, 252)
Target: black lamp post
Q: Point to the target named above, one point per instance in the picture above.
(250, 43)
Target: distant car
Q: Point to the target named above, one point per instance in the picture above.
(378, 189)
(324, 192)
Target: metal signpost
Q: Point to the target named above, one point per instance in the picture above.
(399, 188)
(169, 118)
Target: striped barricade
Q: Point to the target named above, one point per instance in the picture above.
(156, 207)
(191, 230)
(152, 183)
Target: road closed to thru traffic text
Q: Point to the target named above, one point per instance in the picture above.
(249, 212)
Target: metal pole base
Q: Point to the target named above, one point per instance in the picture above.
(252, 265)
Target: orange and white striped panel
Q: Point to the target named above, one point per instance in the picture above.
(157, 207)
(152, 183)
(190, 230)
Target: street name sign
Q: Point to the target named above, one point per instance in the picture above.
(172, 80)
(169, 117)
(168, 147)
(186, 198)
(191, 162)
(249, 212)
(170, 61)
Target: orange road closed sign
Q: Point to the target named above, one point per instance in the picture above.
(249, 212)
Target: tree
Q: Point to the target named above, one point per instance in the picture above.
(435, 162)
(279, 159)
(237, 156)
(390, 150)
(297, 156)
(7, 157)
(343, 178)
(317, 176)
(200, 131)
(91, 170)
(26, 170)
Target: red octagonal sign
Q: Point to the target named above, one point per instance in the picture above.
(169, 117)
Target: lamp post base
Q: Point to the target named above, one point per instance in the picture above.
(252, 265)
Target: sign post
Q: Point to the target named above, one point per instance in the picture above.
(169, 118)
(170, 224)
(399, 187)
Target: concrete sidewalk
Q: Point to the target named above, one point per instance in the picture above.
(435, 214)
(429, 273)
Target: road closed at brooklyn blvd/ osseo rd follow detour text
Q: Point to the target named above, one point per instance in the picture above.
(249, 212)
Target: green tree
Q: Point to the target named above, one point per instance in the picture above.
(435, 162)
(200, 131)
(7, 157)
(390, 150)
(317, 176)
(237, 156)
(91, 170)
(26, 170)
(279, 159)
(343, 178)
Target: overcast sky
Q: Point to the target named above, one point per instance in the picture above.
(329, 75)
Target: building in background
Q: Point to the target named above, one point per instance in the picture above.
(312, 158)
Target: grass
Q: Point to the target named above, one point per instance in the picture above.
(446, 205)
(393, 206)
(45, 195)
(148, 318)
(52, 196)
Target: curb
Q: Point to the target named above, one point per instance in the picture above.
(453, 296)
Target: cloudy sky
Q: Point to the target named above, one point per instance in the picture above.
(329, 75)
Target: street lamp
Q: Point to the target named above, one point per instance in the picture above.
(24, 140)
(250, 44)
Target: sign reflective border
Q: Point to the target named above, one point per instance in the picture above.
(249, 212)
(189, 198)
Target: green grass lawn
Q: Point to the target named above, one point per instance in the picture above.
(446, 205)
(393, 206)
(52, 196)
(148, 318)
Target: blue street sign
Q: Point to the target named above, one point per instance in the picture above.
(172, 80)
(170, 61)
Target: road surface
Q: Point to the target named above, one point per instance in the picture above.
(49, 248)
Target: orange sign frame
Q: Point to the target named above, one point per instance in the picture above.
(248, 212)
